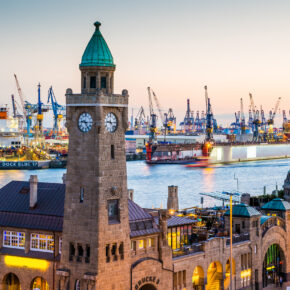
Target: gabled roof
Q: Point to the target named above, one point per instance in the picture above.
(277, 204)
(136, 212)
(97, 52)
(243, 210)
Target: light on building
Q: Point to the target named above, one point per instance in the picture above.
(246, 273)
(30, 263)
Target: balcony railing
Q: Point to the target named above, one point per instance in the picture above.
(239, 238)
(187, 250)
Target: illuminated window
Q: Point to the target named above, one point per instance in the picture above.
(141, 244)
(43, 243)
(13, 239)
(150, 243)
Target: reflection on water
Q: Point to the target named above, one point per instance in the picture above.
(150, 182)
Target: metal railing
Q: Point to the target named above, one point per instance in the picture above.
(239, 238)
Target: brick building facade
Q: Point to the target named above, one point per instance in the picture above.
(88, 234)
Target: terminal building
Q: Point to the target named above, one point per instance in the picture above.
(88, 233)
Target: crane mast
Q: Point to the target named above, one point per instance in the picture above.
(20, 93)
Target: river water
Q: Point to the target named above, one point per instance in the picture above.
(150, 183)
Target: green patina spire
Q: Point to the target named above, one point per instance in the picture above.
(97, 52)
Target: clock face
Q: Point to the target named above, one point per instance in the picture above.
(85, 122)
(111, 122)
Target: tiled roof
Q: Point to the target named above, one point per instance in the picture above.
(136, 212)
(31, 221)
(14, 197)
(278, 204)
(49, 210)
(243, 210)
(174, 221)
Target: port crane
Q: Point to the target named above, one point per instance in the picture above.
(243, 121)
(170, 121)
(188, 121)
(58, 111)
(256, 119)
(209, 117)
(270, 121)
(26, 108)
(153, 119)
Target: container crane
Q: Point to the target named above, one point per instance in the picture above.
(140, 119)
(209, 117)
(58, 110)
(171, 121)
(153, 119)
(270, 122)
(188, 120)
(256, 120)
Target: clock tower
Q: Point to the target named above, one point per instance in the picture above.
(96, 235)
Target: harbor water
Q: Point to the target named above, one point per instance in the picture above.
(150, 183)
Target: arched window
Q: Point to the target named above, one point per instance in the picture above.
(11, 282)
(78, 285)
(39, 283)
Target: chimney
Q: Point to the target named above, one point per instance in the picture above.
(131, 194)
(33, 191)
(64, 178)
(172, 200)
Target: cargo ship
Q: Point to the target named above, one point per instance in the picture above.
(208, 153)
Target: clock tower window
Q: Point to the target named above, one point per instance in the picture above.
(103, 82)
(85, 83)
(113, 211)
(93, 82)
(82, 193)
(112, 152)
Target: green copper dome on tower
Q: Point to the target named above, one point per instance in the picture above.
(97, 52)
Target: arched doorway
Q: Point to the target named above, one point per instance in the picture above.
(11, 282)
(39, 283)
(227, 280)
(148, 287)
(273, 265)
(198, 278)
(214, 276)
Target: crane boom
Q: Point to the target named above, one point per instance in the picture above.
(158, 107)
(20, 93)
(276, 107)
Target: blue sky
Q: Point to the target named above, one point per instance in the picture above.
(176, 47)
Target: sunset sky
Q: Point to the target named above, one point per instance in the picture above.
(175, 47)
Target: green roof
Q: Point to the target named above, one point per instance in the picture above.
(243, 210)
(97, 52)
(264, 218)
(278, 204)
